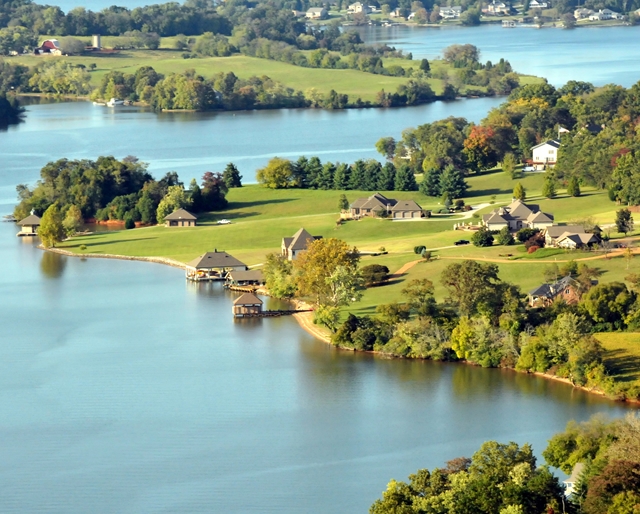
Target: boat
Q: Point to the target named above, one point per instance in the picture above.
(115, 101)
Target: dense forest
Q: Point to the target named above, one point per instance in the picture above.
(504, 478)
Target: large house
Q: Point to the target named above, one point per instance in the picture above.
(569, 236)
(517, 215)
(292, 246)
(567, 289)
(180, 218)
(582, 13)
(316, 13)
(545, 154)
(449, 13)
(535, 4)
(605, 14)
(378, 205)
(497, 8)
(358, 7)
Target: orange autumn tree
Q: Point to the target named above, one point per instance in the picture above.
(479, 149)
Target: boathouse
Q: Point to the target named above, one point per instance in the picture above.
(180, 218)
(247, 305)
(213, 266)
(245, 278)
(29, 225)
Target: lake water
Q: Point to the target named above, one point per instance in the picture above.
(192, 143)
(124, 389)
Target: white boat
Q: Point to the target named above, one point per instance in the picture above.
(115, 101)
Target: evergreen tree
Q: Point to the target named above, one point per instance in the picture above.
(549, 187)
(519, 192)
(195, 194)
(372, 174)
(452, 182)
(357, 179)
(341, 177)
(624, 221)
(509, 165)
(430, 185)
(51, 230)
(231, 176)
(300, 177)
(405, 179)
(314, 169)
(326, 177)
(573, 187)
(343, 203)
(387, 177)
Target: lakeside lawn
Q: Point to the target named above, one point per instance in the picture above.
(262, 217)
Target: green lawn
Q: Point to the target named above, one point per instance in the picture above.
(262, 217)
(622, 354)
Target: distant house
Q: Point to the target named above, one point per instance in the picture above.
(396, 13)
(247, 305)
(411, 16)
(551, 234)
(508, 24)
(539, 5)
(605, 14)
(576, 475)
(567, 289)
(517, 215)
(582, 13)
(214, 265)
(575, 241)
(180, 218)
(245, 278)
(299, 14)
(406, 209)
(358, 7)
(29, 225)
(292, 246)
(497, 8)
(371, 206)
(449, 13)
(49, 46)
(316, 13)
(545, 154)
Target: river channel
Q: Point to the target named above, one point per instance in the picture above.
(124, 389)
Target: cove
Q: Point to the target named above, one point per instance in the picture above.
(125, 389)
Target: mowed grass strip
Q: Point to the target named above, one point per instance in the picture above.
(622, 354)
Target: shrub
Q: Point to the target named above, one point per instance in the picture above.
(505, 238)
(533, 249)
(419, 249)
(83, 247)
(526, 233)
(129, 223)
(535, 240)
(482, 237)
(374, 273)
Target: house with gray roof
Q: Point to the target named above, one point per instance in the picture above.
(569, 236)
(517, 215)
(571, 482)
(567, 288)
(374, 205)
(545, 154)
(245, 278)
(180, 218)
(292, 246)
(247, 305)
(406, 209)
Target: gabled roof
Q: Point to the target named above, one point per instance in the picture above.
(493, 217)
(552, 290)
(31, 220)
(316, 9)
(300, 240)
(556, 231)
(215, 259)
(248, 299)
(378, 201)
(181, 214)
(520, 210)
(253, 275)
(406, 205)
(550, 142)
(540, 217)
(578, 239)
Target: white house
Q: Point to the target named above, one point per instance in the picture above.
(606, 14)
(316, 13)
(449, 13)
(539, 5)
(358, 8)
(497, 8)
(570, 483)
(545, 154)
(582, 13)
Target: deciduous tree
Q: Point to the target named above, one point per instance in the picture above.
(51, 230)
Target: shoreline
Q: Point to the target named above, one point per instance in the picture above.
(305, 321)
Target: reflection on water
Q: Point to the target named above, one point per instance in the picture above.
(52, 264)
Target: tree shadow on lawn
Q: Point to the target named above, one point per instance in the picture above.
(115, 241)
(622, 363)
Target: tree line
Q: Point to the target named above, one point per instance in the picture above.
(504, 478)
(310, 173)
